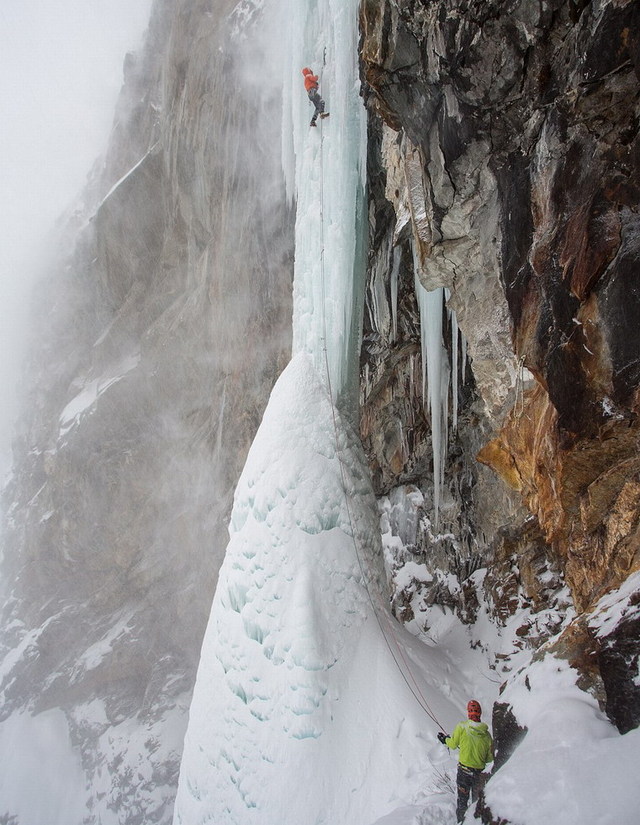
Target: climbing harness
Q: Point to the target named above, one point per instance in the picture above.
(388, 633)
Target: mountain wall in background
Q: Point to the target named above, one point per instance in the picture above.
(158, 339)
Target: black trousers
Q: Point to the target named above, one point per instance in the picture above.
(469, 783)
(318, 102)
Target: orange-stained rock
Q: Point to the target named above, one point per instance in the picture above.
(586, 495)
(496, 455)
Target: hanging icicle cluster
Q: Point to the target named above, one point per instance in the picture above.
(438, 377)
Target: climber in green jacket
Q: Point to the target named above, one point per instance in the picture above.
(476, 749)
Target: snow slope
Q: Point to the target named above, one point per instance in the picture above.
(572, 767)
(299, 711)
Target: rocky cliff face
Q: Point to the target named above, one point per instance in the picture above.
(505, 167)
(157, 348)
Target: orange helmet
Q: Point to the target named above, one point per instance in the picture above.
(307, 70)
(474, 711)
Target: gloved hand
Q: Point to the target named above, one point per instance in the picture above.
(442, 737)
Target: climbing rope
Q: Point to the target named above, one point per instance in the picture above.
(395, 649)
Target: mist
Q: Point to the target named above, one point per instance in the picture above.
(60, 75)
(164, 320)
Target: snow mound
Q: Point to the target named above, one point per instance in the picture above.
(299, 713)
(572, 767)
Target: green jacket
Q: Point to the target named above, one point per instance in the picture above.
(475, 743)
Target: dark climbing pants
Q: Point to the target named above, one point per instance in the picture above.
(469, 784)
(318, 102)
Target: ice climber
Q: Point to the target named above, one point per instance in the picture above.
(311, 85)
(476, 749)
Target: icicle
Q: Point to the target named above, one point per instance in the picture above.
(411, 377)
(463, 358)
(395, 269)
(454, 371)
(431, 305)
(420, 291)
(445, 382)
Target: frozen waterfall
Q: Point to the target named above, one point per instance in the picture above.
(325, 171)
(296, 687)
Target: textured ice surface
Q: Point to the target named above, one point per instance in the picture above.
(325, 169)
(297, 698)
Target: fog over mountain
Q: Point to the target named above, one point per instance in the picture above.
(60, 75)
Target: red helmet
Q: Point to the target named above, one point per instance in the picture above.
(306, 70)
(474, 711)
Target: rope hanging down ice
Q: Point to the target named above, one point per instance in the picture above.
(379, 611)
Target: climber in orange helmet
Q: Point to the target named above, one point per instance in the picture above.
(311, 85)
